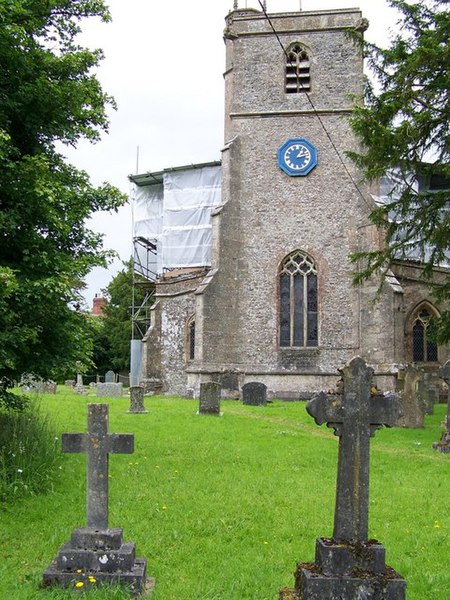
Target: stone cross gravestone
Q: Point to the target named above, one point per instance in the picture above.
(97, 554)
(137, 400)
(350, 566)
(444, 443)
(254, 393)
(210, 392)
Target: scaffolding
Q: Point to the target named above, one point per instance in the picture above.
(171, 228)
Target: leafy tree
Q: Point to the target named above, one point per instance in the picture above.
(48, 98)
(117, 323)
(404, 127)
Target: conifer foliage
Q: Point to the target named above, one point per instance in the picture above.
(404, 127)
(49, 97)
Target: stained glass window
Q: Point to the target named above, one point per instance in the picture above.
(424, 349)
(298, 301)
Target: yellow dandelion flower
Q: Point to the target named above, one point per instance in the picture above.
(79, 584)
(164, 507)
(92, 579)
(78, 571)
(265, 543)
(437, 524)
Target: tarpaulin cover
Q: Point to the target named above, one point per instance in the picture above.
(176, 217)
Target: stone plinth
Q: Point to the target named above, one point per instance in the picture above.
(313, 585)
(93, 557)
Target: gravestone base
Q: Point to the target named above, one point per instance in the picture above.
(346, 571)
(94, 556)
(311, 584)
(443, 445)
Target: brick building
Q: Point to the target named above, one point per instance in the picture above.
(272, 299)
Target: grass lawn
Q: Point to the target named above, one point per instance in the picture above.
(223, 508)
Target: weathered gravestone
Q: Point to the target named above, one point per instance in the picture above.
(110, 377)
(412, 402)
(109, 390)
(349, 566)
(137, 400)
(210, 392)
(36, 385)
(254, 393)
(444, 443)
(79, 387)
(97, 554)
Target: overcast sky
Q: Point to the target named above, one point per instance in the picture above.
(163, 64)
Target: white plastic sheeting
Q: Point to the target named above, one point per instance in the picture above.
(176, 217)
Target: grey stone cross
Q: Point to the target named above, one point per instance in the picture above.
(97, 443)
(354, 416)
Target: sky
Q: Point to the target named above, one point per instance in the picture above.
(164, 63)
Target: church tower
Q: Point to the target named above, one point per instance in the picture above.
(247, 260)
(279, 305)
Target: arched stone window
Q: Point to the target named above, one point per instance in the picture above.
(423, 348)
(297, 70)
(298, 301)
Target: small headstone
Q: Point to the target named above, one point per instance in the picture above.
(69, 382)
(350, 566)
(444, 443)
(137, 400)
(210, 398)
(109, 390)
(97, 554)
(412, 404)
(110, 377)
(254, 393)
(79, 387)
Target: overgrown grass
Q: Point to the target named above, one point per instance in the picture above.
(223, 508)
(29, 453)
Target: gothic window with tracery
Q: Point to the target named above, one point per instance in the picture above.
(424, 349)
(298, 301)
(297, 70)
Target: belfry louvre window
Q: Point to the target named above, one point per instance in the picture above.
(297, 70)
(298, 301)
(424, 349)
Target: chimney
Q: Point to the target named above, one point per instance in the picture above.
(98, 306)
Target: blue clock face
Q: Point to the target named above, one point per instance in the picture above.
(297, 157)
